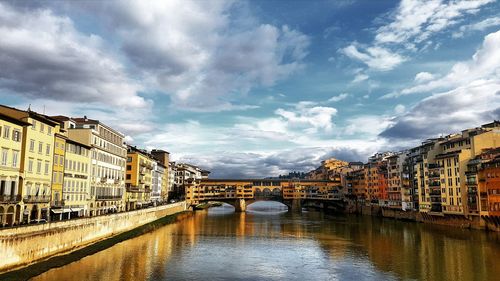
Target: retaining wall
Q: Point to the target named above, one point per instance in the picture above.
(24, 245)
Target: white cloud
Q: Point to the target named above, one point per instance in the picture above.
(478, 26)
(338, 98)
(368, 125)
(415, 21)
(44, 56)
(484, 65)
(399, 109)
(377, 58)
(467, 106)
(204, 53)
(423, 76)
(360, 77)
(313, 118)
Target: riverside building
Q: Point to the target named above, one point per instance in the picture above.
(11, 135)
(138, 178)
(36, 162)
(107, 170)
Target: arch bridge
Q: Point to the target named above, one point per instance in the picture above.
(241, 193)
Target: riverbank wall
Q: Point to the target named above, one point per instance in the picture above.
(21, 246)
(459, 221)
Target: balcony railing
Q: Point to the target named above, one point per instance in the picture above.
(36, 199)
(108, 197)
(10, 198)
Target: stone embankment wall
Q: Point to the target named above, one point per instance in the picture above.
(461, 221)
(24, 245)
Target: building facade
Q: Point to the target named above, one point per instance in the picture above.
(76, 191)
(57, 200)
(11, 144)
(108, 156)
(138, 180)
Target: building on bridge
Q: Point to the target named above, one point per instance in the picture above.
(242, 192)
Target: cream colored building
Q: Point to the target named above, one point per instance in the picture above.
(10, 161)
(36, 163)
(76, 190)
(107, 168)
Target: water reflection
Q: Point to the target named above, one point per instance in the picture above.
(274, 245)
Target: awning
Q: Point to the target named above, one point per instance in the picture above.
(113, 207)
(59, 211)
(76, 209)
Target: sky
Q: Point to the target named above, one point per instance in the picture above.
(257, 88)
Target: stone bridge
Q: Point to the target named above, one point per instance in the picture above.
(292, 193)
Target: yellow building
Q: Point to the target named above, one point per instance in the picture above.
(36, 163)
(108, 155)
(441, 172)
(138, 180)
(11, 145)
(58, 174)
(76, 192)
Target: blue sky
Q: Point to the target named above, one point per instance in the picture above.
(257, 88)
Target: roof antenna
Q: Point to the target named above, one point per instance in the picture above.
(29, 107)
(44, 109)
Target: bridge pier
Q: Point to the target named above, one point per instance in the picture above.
(240, 205)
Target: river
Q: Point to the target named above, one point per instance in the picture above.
(268, 243)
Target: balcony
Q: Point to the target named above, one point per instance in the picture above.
(435, 193)
(10, 198)
(434, 183)
(59, 203)
(36, 199)
(434, 175)
(108, 197)
(433, 166)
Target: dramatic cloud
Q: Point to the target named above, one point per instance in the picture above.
(465, 107)
(377, 58)
(408, 30)
(203, 53)
(484, 65)
(44, 56)
(415, 21)
(259, 165)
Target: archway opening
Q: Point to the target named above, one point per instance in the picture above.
(223, 209)
(267, 207)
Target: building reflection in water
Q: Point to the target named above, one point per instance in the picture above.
(275, 245)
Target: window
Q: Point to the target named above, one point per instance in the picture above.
(128, 177)
(47, 149)
(33, 126)
(32, 145)
(30, 165)
(15, 156)
(6, 132)
(39, 167)
(129, 167)
(49, 131)
(4, 156)
(46, 167)
(40, 147)
(42, 127)
(16, 135)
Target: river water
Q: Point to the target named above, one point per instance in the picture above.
(268, 243)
